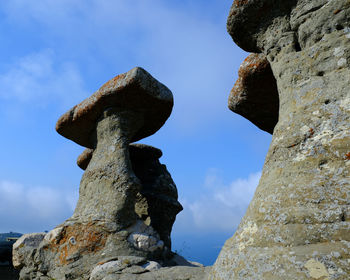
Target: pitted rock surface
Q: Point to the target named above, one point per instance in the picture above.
(298, 223)
(255, 95)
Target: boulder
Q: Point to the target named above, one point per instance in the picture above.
(298, 223)
(23, 248)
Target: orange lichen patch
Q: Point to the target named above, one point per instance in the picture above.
(347, 156)
(112, 82)
(79, 239)
(252, 64)
(238, 87)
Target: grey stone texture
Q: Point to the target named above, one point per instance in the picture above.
(298, 223)
(255, 95)
(114, 216)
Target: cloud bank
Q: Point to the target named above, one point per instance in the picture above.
(220, 206)
(33, 208)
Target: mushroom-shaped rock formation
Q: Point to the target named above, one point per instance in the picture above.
(106, 223)
(157, 203)
(298, 223)
(135, 92)
(255, 95)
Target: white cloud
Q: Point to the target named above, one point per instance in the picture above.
(40, 79)
(219, 207)
(33, 209)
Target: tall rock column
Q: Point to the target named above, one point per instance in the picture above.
(298, 223)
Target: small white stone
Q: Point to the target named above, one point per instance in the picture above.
(105, 268)
(151, 265)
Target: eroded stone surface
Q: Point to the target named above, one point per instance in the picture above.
(298, 223)
(255, 95)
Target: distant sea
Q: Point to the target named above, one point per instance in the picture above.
(202, 248)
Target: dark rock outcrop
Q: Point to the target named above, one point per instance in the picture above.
(255, 95)
(298, 223)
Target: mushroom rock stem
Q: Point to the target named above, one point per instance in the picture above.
(157, 201)
(109, 186)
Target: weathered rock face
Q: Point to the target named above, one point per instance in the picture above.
(114, 217)
(298, 223)
(255, 95)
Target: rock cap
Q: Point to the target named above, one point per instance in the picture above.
(255, 94)
(135, 90)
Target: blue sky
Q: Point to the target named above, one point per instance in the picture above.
(54, 54)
